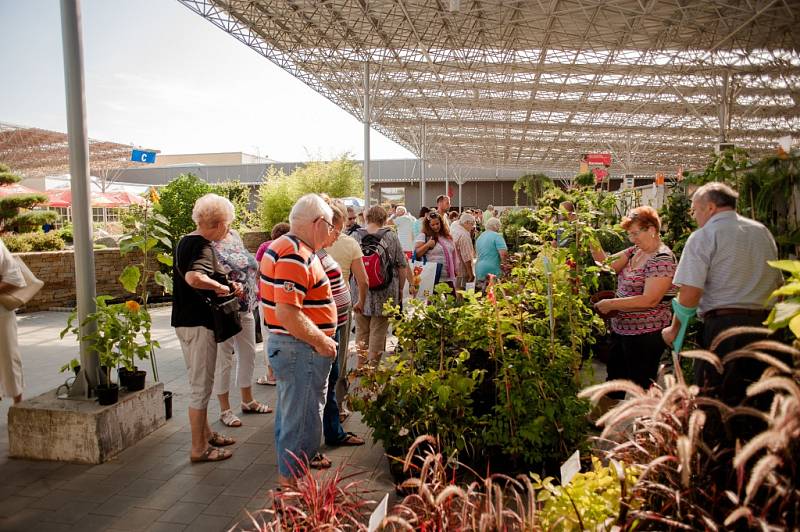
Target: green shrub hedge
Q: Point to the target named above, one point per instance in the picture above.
(23, 242)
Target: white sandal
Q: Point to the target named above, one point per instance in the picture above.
(254, 407)
(229, 419)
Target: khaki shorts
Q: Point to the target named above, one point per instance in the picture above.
(371, 332)
(200, 355)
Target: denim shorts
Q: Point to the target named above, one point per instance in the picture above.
(302, 376)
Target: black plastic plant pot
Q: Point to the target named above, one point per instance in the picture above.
(107, 394)
(168, 405)
(135, 381)
(122, 377)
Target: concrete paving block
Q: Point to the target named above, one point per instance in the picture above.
(183, 512)
(209, 523)
(94, 523)
(137, 519)
(48, 428)
(158, 526)
(227, 505)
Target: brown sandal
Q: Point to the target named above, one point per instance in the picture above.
(320, 461)
(221, 454)
(220, 440)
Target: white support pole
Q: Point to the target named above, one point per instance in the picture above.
(79, 178)
(446, 178)
(366, 136)
(723, 108)
(422, 168)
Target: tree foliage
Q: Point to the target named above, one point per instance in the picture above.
(11, 206)
(177, 200)
(338, 178)
(534, 186)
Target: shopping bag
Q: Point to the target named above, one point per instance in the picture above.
(19, 296)
(427, 273)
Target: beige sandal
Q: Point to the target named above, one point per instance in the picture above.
(229, 419)
(254, 407)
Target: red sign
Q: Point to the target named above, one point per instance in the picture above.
(598, 158)
(599, 174)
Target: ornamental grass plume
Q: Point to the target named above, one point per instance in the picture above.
(328, 502)
(436, 503)
(693, 476)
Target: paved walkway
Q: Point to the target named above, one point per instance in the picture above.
(151, 486)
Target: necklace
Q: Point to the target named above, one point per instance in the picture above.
(641, 257)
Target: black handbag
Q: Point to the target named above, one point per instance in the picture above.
(224, 310)
(227, 322)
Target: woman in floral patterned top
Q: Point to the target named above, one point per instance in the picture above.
(641, 307)
(241, 267)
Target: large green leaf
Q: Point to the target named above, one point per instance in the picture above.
(165, 281)
(163, 258)
(791, 266)
(786, 310)
(130, 278)
(791, 289)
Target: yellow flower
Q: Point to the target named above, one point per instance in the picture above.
(133, 306)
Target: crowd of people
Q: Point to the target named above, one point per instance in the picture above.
(311, 281)
(307, 285)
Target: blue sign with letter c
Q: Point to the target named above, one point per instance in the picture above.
(142, 156)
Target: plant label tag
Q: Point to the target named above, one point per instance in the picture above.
(380, 512)
(469, 286)
(785, 143)
(570, 468)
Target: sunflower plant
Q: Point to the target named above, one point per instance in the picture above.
(122, 334)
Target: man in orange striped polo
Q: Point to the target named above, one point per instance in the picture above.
(300, 314)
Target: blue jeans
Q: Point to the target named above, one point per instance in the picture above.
(302, 376)
(331, 426)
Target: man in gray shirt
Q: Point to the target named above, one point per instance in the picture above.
(723, 272)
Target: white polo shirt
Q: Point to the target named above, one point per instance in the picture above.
(727, 258)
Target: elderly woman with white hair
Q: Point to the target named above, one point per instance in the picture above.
(491, 250)
(198, 275)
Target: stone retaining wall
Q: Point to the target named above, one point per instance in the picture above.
(254, 239)
(57, 270)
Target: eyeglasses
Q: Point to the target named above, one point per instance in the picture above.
(329, 224)
(433, 215)
(351, 218)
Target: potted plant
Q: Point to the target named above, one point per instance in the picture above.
(122, 334)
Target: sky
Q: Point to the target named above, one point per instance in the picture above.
(159, 76)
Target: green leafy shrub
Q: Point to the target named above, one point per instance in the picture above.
(676, 219)
(12, 205)
(22, 242)
(591, 500)
(66, 233)
(177, 201)
(488, 376)
(338, 178)
(16, 243)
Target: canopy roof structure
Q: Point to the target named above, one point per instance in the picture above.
(35, 152)
(658, 83)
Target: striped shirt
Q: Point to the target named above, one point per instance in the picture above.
(291, 273)
(631, 282)
(339, 289)
(727, 258)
